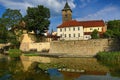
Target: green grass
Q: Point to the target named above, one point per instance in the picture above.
(14, 52)
(109, 58)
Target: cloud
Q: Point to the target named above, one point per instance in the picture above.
(54, 5)
(84, 3)
(107, 13)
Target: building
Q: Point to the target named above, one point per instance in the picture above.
(78, 30)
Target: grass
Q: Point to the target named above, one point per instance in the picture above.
(109, 58)
(14, 52)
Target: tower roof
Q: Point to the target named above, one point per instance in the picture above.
(66, 7)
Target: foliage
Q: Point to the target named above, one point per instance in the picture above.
(3, 34)
(95, 34)
(14, 53)
(113, 29)
(37, 19)
(109, 58)
(108, 34)
(10, 17)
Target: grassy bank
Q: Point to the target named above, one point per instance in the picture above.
(111, 60)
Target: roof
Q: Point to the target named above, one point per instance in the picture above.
(74, 23)
(66, 7)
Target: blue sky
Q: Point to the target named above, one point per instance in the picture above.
(82, 9)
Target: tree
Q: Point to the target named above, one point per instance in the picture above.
(37, 19)
(3, 34)
(114, 26)
(95, 34)
(11, 18)
(108, 34)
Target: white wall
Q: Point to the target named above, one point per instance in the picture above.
(69, 32)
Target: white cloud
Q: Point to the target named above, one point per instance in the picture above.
(107, 13)
(54, 5)
(84, 3)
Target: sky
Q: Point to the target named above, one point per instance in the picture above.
(81, 9)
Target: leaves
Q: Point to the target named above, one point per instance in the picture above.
(95, 34)
(37, 19)
(10, 17)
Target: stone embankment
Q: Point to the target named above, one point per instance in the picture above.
(83, 47)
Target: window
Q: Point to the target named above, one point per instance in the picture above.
(74, 35)
(60, 30)
(98, 28)
(65, 29)
(69, 35)
(78, 34)
(73, 29)
(65, 15)
(78, 28)
(60, 35)
(90, 28)
(65, 35)
(69, 29)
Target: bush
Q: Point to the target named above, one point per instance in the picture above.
(14, 52)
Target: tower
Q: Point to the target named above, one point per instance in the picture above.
(66, 13)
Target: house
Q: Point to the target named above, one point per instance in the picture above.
(78, 30)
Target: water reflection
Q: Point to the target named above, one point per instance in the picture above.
(13, 70)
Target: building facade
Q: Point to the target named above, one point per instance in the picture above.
(78, 30)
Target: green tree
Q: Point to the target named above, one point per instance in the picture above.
(108, 34)
(95, 34)
(114, 26)
(11, 18)
(3, 34)
(37, 19)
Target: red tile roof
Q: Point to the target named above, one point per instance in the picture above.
(73, 23)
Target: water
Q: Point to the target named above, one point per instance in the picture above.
(13, 70)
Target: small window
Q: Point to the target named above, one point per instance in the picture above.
(60, 30)
(69, 29)
(73, 29)
(60, 35)
(69, 35)
(65, 29)
(65, 15)
(65, 35)
(98, 28)
(90, 28)
(74, 35)
(78, 28)
(78, 34)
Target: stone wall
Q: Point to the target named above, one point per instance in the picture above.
(83, 47)
(42, 46)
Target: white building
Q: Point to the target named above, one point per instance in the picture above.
(78, 30)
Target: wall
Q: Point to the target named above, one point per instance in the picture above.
(39, 46)
(83, 48)
(91, 29)
(28, 44)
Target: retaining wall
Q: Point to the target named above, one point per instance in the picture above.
(83, 47)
